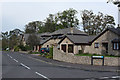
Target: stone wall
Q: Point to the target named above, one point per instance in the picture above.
(69, 57)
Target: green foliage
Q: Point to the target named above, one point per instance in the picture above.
(96, 23)
(16, 48)
(27, 47)
(33, 40)
(88, 54)
(53, 22)
(30, 52)
(23, 48)
(80, 51)
(11, 39)
(51, 52)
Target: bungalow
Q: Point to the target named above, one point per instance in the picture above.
(59, 34)
(43, 37)
(107, 42)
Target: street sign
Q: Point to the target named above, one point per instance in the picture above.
(97, 57)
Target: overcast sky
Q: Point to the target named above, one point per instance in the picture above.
(16, 14)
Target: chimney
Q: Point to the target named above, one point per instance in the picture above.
(71, 30)
(119, 15)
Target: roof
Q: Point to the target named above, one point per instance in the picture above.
(68, 31)
(114, 30)
(44, 41)
(38, 35)
(79, 39)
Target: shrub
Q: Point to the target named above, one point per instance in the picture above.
(51, 52)
(80, 51)
(30, 52)
(28, 47)
(16, 48)
(22, 48)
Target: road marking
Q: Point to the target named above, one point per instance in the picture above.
(15, 60)
(116, 77)
(104, 77)
(7, 55)
(10, 56)
(42, 75)
(24, 66)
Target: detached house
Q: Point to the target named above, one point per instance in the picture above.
(59, 34)
(107, 42)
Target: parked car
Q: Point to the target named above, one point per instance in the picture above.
(44, 50)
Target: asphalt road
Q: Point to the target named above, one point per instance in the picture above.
(16, 65)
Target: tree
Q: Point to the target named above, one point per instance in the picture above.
(33, 40)
(15, 37)
(32, 27)
(4, 40)
(68, 18)
(94, 24)
(11, 39)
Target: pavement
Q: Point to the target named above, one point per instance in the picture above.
(20, 65)
(77, 66)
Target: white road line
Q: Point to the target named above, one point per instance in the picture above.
(104, 77)
(42, 75)
(7, 55)
(15, 60)
(10, 56)
(24, 66)
(116, 77)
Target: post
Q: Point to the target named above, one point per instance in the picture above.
(119, 15)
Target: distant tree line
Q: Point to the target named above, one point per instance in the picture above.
(11, 39)
(92, 24)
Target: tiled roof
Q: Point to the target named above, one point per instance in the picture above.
(68, 31)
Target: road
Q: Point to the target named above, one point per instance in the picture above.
(16, 65)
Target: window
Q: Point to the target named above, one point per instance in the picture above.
(116, 46)
(96, 45)
(47, 45)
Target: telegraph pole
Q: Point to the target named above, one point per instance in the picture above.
(116, 2)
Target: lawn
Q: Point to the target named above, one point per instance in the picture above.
(86, 54)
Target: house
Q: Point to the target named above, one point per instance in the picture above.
(107, 42)
(42, 37)
(59, 34)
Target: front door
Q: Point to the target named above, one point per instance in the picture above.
(63, 46)
(106, 47)
(70, 48)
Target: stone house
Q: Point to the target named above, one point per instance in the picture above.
(59, 34)
(107, 42)
(42, 37)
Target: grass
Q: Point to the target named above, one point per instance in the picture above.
(87, 54)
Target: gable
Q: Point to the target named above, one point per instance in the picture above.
(108, 35)
(66, 40)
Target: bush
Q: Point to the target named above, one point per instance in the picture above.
(50, 57)
(16, 48)
(22, 48)
(28, 47)
(80, 51)
(30, 52)
(51, 52)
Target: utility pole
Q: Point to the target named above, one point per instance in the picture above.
(116, 2)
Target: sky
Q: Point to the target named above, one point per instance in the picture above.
(16, 14)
